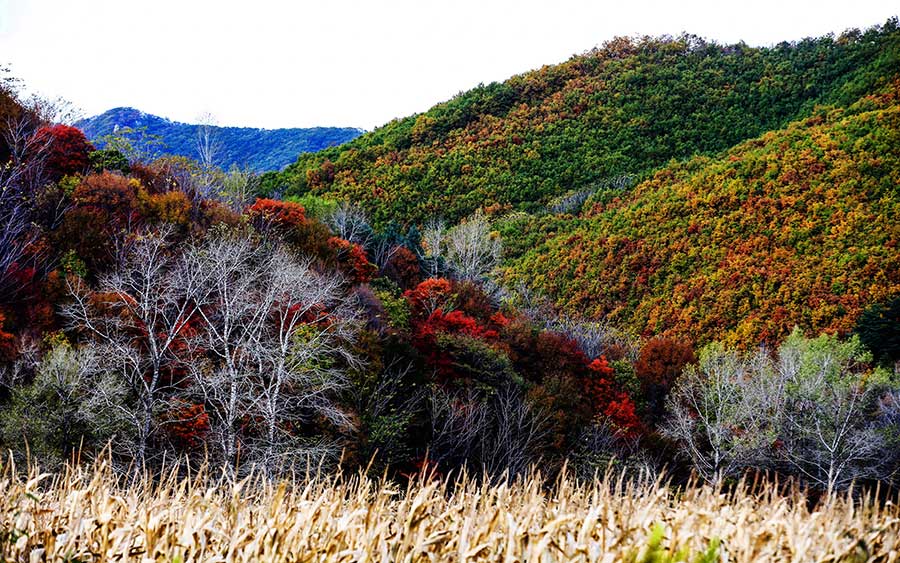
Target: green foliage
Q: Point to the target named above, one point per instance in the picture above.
(796, 227)
(395, 306)
(315, 206)
(109, 159)
(655, 552)
(626, 108)
(71, 264)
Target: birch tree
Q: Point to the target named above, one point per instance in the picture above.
(276, 333)
(136, 317)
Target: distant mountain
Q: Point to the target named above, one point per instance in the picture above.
(258, 149)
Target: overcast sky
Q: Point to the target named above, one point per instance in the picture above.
(293, 63)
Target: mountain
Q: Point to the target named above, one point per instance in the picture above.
(258, 149)
(625, 108)
(673, 185)
(797, 227)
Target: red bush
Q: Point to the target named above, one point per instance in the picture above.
(67, 150)
(429, 296)
(606, 399)
(403, 268)
(352, 260)
(282, 214)
(660, 363)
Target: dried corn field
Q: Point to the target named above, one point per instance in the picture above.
(89, 515)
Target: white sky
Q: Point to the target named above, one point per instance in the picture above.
(268, 63)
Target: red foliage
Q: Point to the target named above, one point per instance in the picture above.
(67, 150)
(289, 221)
(7, 341)
(454, 322)
(659, 365)
(429, 296)
(282, 214)
(403, 268)
(352, 260)
(187, 425)
(606, 399)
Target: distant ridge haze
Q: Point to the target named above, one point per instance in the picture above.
(247, 147)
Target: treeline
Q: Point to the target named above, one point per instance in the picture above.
(673, 186)
(165, 310)
(625, 108)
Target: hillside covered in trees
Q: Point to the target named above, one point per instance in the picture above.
(673, 185)
(246, 147)
(663, 253)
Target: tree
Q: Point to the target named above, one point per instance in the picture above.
(713, 414)
(660, 363)
(473, 251)
(209, 143)
(68, 150)
(497, 432)
(813, 408)
(828, 434)
(59, 411)
(277, 333)
(136, 319)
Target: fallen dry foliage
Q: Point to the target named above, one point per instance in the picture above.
(91, 515)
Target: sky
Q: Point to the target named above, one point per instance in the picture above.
(359, 63)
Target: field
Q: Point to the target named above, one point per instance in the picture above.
(91, 515)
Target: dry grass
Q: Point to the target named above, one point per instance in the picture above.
(89, 515)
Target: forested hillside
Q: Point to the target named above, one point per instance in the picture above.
(671, 186)
(716, 296)
(625, 108)
(257, 149)
(797, 227)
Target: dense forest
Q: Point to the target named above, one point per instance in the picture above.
(259, 150)
(670, 185)
(662, 253)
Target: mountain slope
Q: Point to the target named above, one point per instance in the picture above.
(626, 108)
(258, 149)
(796, 227)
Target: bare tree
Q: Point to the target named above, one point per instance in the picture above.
(499, 432)
(594, 337)
(277, 332)
(300, 352)
(712, 414)
(433, 236)
(350, 222)
(136, 317)
(473, 251)
(209, 143)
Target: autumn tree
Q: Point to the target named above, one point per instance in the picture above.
(276, 333)
(660, 363)
(136, 318)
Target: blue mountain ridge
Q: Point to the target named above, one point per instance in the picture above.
(259, 150)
